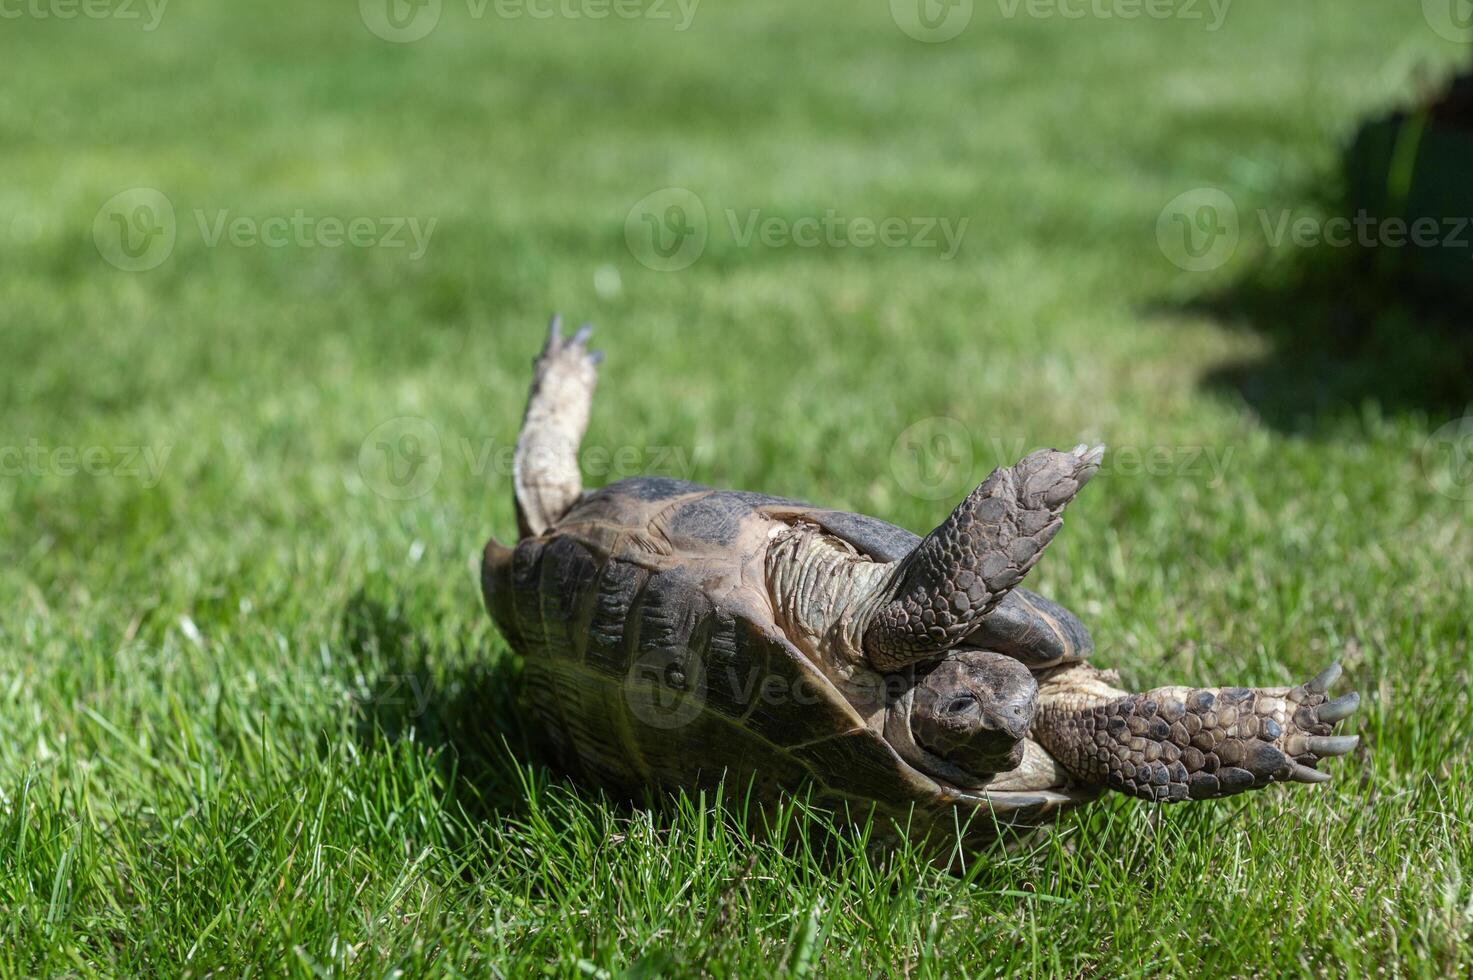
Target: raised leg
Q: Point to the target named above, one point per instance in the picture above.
(545, 469)
(943, 589)
(1179, 743)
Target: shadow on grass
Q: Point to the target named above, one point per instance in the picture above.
(1343, 336)
(463, 705)
(458, 701)
(1377, 312)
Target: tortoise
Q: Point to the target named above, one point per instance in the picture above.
(673, 635)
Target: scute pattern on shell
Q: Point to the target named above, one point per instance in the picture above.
(642, 670)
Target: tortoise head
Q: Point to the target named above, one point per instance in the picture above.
(973, 710)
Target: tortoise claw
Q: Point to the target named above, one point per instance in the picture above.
(1304, 774)
(1326, 745)
(1323, 680)
(1339, 709)
(577, 344)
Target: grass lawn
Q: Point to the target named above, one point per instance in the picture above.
(253, 717)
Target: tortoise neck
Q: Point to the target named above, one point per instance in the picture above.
(823, 592)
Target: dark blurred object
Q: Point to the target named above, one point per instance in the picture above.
(1416, 166)
(1373, 319)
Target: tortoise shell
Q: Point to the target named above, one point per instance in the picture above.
(652, 657)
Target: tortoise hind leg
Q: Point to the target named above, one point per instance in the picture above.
(545, 468)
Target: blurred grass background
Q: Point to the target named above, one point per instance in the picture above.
(252, 715)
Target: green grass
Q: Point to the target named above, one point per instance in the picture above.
(253, 717)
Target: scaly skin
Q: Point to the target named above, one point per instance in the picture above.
(1180, 743)
(974, 717)
(545, 467)
(966, 565)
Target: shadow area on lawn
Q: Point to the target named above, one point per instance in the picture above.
(462, 704)
(445, 696)
(1342, 336)
(1363, 295)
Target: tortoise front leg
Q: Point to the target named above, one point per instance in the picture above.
(941, 591)
(1178, 743)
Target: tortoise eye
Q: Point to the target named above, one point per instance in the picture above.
(960, 704)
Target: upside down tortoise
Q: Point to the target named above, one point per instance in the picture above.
(673, 635)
